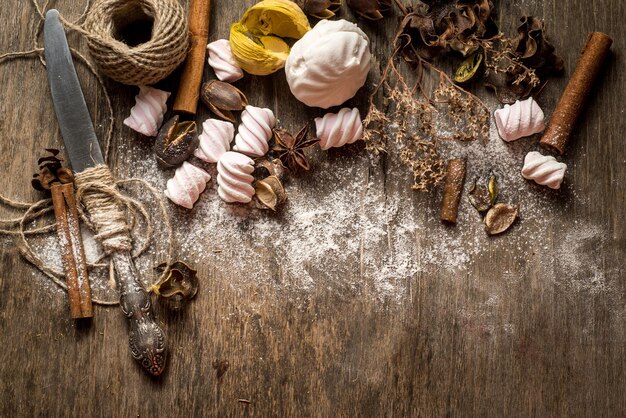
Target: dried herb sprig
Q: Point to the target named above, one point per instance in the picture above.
(417, 115)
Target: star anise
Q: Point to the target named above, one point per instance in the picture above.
(290, 150)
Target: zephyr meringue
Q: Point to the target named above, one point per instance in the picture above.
(520, 119)
(147, 115)
(186, 185)
(254, 131)
(339, 129)
(214, 140)
(234, 177)
(543, 169)
(329, 64)
(223, 62)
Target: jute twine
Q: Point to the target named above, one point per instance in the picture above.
(146, 63)
(118, 221)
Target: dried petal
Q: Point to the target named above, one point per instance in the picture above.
(446, 25)
(534, 50)
(270, 192)
(175, 142)
(222, 99)
(500, 218)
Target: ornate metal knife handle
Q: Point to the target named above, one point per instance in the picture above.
(146, 340)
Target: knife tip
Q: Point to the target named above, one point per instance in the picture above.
(52, 13)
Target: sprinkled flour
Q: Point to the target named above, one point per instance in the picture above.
(354, 225)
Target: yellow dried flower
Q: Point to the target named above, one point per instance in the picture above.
(256, 39)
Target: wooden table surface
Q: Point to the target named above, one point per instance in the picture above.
(547, 345)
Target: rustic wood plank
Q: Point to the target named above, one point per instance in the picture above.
(499, 339)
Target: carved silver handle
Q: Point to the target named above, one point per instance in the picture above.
(146, 339)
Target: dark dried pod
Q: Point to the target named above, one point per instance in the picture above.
(264, 168)
(175, 142)
(321, 9)
(223, 99)
(483, 195)
(370, 9)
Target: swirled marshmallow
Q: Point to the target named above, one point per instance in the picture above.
(339, 129)
(186, 185)
(223, 62)
(329, 64)
(254, 131)
(520, 119)
(543, 169)
(146, 116)
(214, 140)
(234, 177)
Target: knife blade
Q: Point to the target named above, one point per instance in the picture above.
(146, 338)
(67, 96)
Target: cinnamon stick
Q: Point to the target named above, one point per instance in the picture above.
(453, 188)
(189, 89)
(74, 264)
(573, 99)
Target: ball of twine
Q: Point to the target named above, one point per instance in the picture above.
(147, 62)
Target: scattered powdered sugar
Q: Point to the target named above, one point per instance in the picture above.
(352, 224)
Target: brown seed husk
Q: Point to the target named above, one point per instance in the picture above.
(500, 218)
(483, 195)
(175, 142)
(264, 168)
(270, 193)
(222, 99)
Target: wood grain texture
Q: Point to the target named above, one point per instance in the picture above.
(332, 352)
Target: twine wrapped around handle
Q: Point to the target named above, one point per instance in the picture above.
(97, 191)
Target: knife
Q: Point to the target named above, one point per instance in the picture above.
(146, 338)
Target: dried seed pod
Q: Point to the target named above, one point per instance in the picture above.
(470, 69)
(369, 9)
(223, 99)
(321, 9)
(484, 195)
(180, 284)
(270, 193)
(175, 142)
(500, 218)
(264, 168)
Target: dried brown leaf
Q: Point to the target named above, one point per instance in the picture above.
(500, 218)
